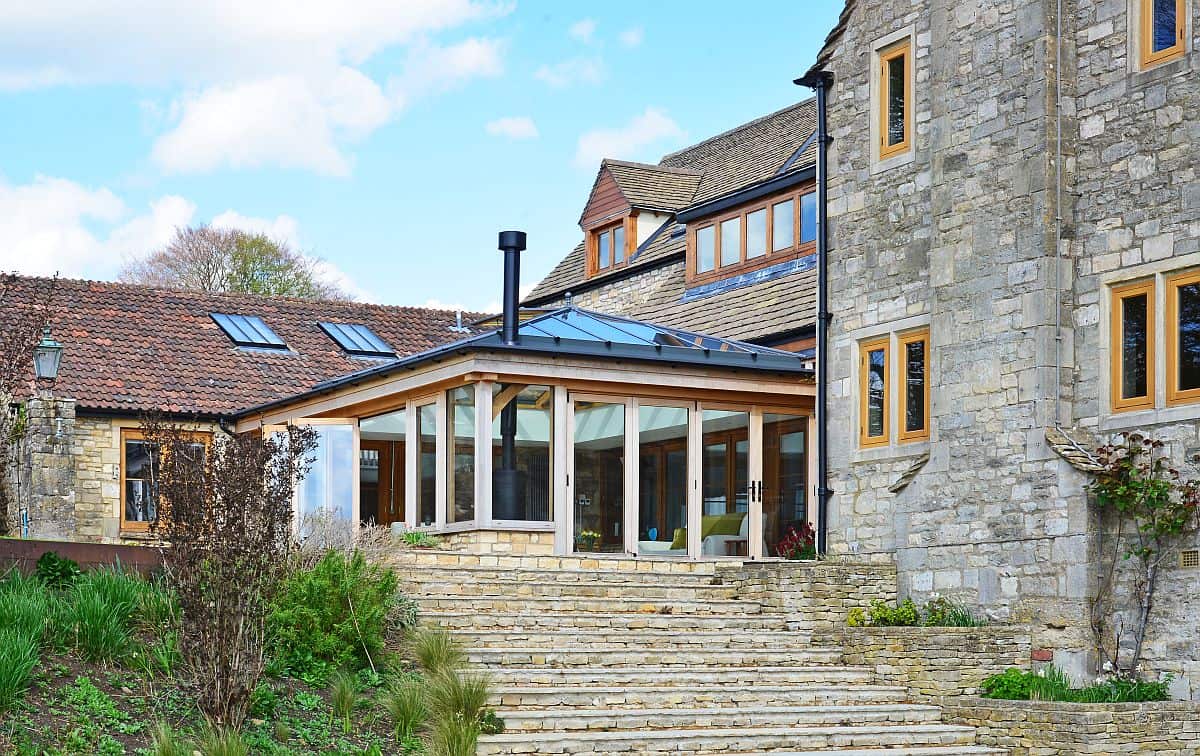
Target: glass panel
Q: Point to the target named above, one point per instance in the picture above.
(706, 246)
(618, 245)
(731, 241)
(521, 440)
(662, 486)
(460, 478)
(1133, 346)
(876, 381)
(783, 225)
(786, 532)
(756, 233)
(914, 382)
(599, 482)
(604, 254)
(141, 496)
(427, 464)
(808, 218)
(1189, 336)
(895, 105)
(1164, 25)
(725, 518)
(327, 492)
(381, 490)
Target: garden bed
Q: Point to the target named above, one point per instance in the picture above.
(1038, 728)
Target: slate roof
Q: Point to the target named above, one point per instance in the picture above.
(834, 36)
(738, 159)
(136, 349)
(654, 187)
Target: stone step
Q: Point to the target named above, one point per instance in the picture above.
(460, 618)
(620, 656)
(437, 602)
(726, 740)
(419, 558)
(953, 750)
(664, 590)
(661, 676)
(644, 639)
(471, 574)
(703, 694)
(563, 719)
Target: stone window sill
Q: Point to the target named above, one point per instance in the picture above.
(1143, 418)
(890, 452)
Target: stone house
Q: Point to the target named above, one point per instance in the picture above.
(133, 351)
(1014, 232)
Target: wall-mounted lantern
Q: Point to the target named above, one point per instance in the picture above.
(47, 357)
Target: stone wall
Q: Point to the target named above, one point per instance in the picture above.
(816, 595)
(46, 468)
(628, 295)
(960, 236)
(515, 542)
(1035, 728)
(937, 661)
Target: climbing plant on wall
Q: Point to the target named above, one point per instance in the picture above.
(1148, 511)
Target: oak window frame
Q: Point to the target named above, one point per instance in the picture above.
(629, 225)
(885, 56)
(137, 436)
(746, 264)
(903, 341)
(1175, 395)
(1148, 57)
(1116, 333)
(865, 348)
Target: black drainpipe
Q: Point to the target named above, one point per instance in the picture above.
(508, 483)
(819, 82)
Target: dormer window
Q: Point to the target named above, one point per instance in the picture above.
(609, 246)
(753, 236)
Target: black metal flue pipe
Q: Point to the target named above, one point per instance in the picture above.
(512, 243)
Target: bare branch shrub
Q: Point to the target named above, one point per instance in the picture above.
(26, 306)
(226, 512)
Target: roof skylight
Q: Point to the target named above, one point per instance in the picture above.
(357, 340)
(248, 331)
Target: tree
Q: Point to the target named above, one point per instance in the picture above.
(203, 258)
(1148, 511)
(22, 318)
(226, 511)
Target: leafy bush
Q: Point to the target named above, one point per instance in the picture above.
(264, 700)
(330, 616)
(798, 544)
(18, 655)
(420, 539)
(1052, 684)
(55, 571)
(490, 723)
(940, 612)
(436, 650)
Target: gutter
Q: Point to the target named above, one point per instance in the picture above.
(819, 82)
(743, 196)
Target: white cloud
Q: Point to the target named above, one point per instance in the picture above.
(513, 127)
(54, 225)
(582, 30)
(271, 82)
(431, 68)
(282, 228)
(651, 127)
(633, 36)
(572, 71)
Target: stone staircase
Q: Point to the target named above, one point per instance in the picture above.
(600, 656)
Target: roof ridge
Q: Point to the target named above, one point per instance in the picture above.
(234, 295)
(740, 127)
(651, 167)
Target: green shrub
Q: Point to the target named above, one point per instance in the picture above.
(263, 700)
(940, 612)
(24, 606)
(904, 614)
(55, 571)
(405, 704)
(330, 616)
(120, 589)
(420, 539)
(436, 650)
(490, 723)
(221, 741)
(157, 607)
(455, 737)
(453, 695)
(18, 655)
(343, 697)
(1052, 684)
(164, 742)
(101, 629)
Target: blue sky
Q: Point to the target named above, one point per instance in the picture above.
(393, 140)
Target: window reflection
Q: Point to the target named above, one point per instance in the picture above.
(1134, 346)
(876, 383)
(521, 459)
(1189, 336)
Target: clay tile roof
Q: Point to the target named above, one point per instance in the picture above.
(654, 187)
(136, 349)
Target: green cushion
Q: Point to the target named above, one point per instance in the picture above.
(712, 525)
